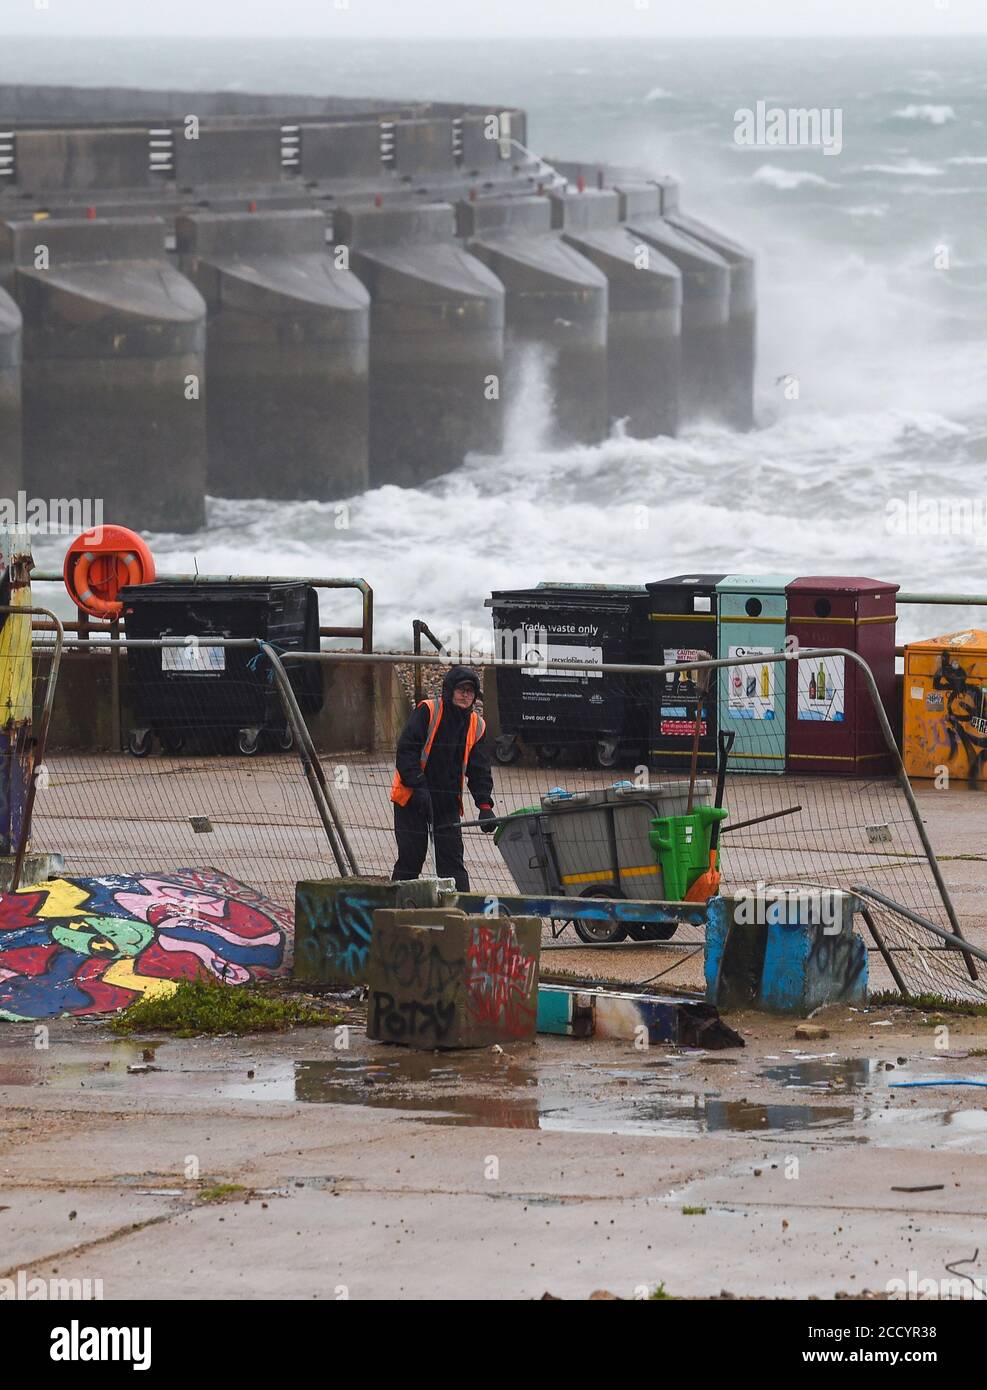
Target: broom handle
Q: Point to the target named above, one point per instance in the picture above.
(727, 738)
(702, 679)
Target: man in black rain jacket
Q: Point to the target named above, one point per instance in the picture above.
(442, 748)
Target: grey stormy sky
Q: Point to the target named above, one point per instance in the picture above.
(376, 19)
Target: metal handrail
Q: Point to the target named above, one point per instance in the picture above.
(953, 600)
(365, 631)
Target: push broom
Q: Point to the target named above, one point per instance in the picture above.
(707, 885)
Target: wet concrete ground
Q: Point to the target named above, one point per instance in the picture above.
(367, 1171)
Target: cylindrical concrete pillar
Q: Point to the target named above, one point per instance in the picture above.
(556, 302)
(436, 341)
(706, 284)
(742, 354)
(10, 397)
(645, 312)
(286, 355)
(113, 375)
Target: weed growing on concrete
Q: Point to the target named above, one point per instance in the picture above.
(693, 1211)
(198, 1006)
(927, 1002)
(221, 1191)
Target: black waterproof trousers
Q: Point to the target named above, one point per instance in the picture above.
(411, 833)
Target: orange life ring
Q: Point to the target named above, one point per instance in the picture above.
(98, 565)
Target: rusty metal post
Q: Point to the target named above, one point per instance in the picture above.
(40, 746)
(16, 687)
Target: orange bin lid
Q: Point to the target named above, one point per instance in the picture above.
(966, 639)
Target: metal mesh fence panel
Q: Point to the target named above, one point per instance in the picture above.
(197, 798)
(191, 797)
(828, 831)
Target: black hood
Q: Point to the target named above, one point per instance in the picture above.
(452, 678)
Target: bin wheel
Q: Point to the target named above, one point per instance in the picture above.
(140, 742)
(654, 931)
(285, 739)
(547, 753)
(600, 933)
(172, 744)
(605, 753)
(507, 750)
(248, 742)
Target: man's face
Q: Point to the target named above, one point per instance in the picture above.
(463, 694)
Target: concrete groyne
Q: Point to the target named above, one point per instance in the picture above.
(298, 297)
(113, 368)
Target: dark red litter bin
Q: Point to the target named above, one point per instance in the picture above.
(832, 724)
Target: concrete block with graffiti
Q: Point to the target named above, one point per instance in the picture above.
(334, 919)
(442, 979)
(785, 950)
(94, 945)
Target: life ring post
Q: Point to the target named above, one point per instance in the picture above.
(97, 567)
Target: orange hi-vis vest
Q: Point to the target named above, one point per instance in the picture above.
(402, 794)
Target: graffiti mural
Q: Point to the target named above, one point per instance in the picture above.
(501, 980)
(94, 945)
(444, 979)
(965, 715)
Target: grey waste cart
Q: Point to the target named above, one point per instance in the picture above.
(595, 844)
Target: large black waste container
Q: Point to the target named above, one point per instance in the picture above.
(682, 622)
(218, 698)
(594, 714)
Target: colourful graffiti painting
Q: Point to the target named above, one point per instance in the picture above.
(501, 980)
(965, 714)
(94, 945)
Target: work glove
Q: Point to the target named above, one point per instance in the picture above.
(421, 801)
(488, 821)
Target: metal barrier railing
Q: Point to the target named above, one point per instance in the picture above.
(322, 797)
(829, 844)
(901, 863)
(365, 632)
(86, 625)
(941, 601)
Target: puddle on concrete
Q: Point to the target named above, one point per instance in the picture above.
(390, 1086)
(647, 1095)
(550, 1104)
(836, 1073)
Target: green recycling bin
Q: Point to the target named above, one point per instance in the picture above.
(681, 846)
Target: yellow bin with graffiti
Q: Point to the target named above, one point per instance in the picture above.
(945, 706)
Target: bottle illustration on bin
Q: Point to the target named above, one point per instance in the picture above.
(833, 727)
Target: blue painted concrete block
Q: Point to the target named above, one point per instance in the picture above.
(784, 950)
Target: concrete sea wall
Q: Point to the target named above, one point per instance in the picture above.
(298, 297)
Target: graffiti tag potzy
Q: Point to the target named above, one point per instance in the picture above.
(94, 945)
